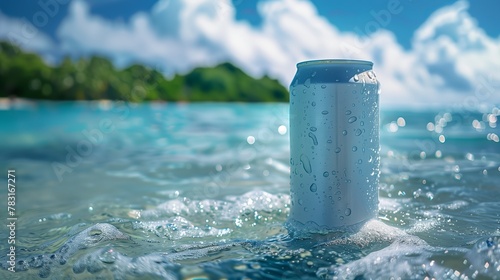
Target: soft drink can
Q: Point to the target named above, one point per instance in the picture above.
(334, 145)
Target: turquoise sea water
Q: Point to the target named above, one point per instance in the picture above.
(202, 191)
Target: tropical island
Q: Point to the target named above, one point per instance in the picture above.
(27, 75)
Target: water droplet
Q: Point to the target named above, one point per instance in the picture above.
(306, 163)
(334, 172)
(347, 211)
(329, 141)
(313, 128)
(337, 150)
(323, 86)
(313, 104)
(108, 256)
(314, 139)
(352, 119)
(324, 112)
(307, 83)
(300, 201)
(293, 92)
(370, 74)
(362, 123)
(341, 218)
(313, 74)
(358, 132)
(356, 77)
(344, 132)
(313, 187)
(360, 161)
(348, 112)
(354, 148)
(325, 174)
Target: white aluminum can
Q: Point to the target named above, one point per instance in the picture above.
(334, 145)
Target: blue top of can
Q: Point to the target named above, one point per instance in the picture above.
(330, 70)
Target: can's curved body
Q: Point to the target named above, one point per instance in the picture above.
(334, 144)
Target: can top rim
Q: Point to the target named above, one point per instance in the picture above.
(334, 61)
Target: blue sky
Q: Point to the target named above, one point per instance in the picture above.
(425, 52)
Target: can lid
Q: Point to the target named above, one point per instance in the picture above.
(330, 70)
(334, 61)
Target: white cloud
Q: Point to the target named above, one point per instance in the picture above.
(451, 58)
(461, 55)
(24, 34)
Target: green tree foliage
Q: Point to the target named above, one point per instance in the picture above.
(26, 75)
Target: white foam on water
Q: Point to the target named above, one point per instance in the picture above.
(399, 259)
(373, 231)
(185, 218)
(178, 227)
(228, 209)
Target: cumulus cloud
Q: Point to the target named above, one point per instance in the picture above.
(459, 54)
(450, 57)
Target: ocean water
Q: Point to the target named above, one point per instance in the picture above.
(201, 191)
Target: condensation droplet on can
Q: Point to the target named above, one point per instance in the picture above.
(323, 86)
(307, 83)
(314, 139)
(313, 187)
(325, 174)
(348, 112)
(306, 163)
(352, 119)
(324, 112)
(356, 77)
(347, 212)
(344, 132)
(354, 148)
(337, 150)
